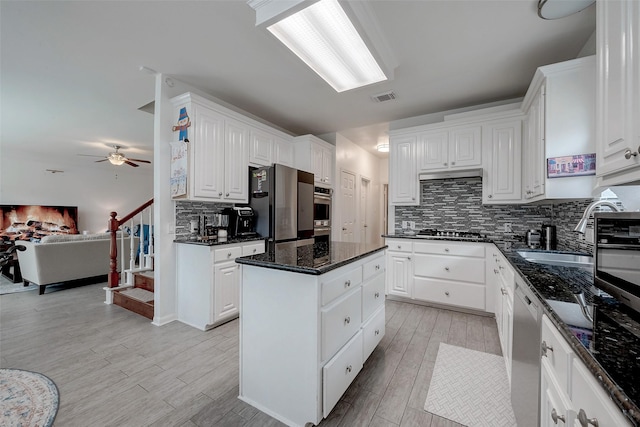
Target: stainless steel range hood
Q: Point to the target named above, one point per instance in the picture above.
(458, 173)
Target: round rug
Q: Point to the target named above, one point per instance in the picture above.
(27, 399)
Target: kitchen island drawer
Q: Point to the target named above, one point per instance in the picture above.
(335, 286)
(372, 295)
(340, 321)
(467, 295)
(340, 371)
(228, 253)
(253, 249)
(374, 267)
(557, 351)
(450, 268)
(450, 248)
(373, 331)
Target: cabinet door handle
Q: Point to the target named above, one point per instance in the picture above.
(495, 271)
(545, 348)
(628, 154)
(555, 417)
(347, 320)
(220, 194)
(377, 295)
(227, 195)
(254, 250)
(229, 255)
(349, 369)
(377, 266)
(413, 198)
(377, 332)
(445, 163)
(446, 269)
(453, 163)
(446, 293)
(399, 247)
(584, 421)
(446, 249)
(490, 196)
(347, 283)
(503, 292)
(409, 259)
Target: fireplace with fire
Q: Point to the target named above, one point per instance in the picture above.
(26, 222)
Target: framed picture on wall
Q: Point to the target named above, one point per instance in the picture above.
(565, 166)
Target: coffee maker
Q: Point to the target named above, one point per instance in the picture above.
(241, 221)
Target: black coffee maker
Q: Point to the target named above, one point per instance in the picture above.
(241, 221)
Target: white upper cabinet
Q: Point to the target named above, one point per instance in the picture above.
(560, 110)
(450, 148)
(618, 92)
(316, 156)
(265, 148)
(222, 144)
(502, 142)
(403, 178)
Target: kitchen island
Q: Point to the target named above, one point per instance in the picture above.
(310, 317)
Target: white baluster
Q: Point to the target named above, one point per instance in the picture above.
(149, 263)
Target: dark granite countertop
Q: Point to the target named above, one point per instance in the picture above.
(315, 259)
(439, 238)
(216, 242)
(610, 348)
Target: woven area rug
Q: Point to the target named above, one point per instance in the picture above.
(27, 399)
(470, 387)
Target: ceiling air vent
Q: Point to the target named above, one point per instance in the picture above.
(382, 97)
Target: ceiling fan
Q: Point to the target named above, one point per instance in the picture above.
(117, 158)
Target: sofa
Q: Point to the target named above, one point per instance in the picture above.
(62, 258)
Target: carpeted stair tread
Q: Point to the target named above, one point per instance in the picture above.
(138, 294)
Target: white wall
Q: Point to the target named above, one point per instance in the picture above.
(96, 189)
(353, 158)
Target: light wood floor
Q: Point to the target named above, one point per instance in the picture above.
(114, 368)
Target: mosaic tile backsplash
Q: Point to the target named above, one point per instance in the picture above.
(187, 210)
(456, 204)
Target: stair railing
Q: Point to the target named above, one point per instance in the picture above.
(145, 259)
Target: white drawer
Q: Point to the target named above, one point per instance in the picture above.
(339, 372)
(453, 293)
(373, 331)
(336, 286)
(253, 249)
(450, 248)
(560, 357)
(400, 245)
(372, 295)
(340, 321)
(373, 267)
(450, 267)
(227, 253)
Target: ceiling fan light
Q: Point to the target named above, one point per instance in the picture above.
(116, 159)
(326, 40)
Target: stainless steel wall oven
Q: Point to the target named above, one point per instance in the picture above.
(322, 214)
(617, 256)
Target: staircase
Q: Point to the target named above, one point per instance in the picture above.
(132, 288)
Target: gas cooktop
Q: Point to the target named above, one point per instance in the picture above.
(432, 233)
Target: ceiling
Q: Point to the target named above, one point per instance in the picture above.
(71, 81)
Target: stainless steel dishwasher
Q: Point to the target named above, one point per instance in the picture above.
(525, 371)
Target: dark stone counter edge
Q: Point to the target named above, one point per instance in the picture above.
(629, 409)
(216, 243)
(437, 238)
(307, 270)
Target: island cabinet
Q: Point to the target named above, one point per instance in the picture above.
(208, 282)
(618, 92)
(569, 392)
(305, 337)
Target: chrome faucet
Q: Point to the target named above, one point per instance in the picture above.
(582, 225)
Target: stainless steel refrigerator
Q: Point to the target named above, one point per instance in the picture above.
(282, 200)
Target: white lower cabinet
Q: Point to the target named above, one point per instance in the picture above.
(503, 281)
(570, 394)
(304, 338)
(340, 371)
(208, 281)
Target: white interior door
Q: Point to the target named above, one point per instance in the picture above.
(348, 205)
(364, 210)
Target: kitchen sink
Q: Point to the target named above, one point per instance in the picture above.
(559, 259)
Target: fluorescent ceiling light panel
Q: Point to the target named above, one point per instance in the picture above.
(326, 40)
